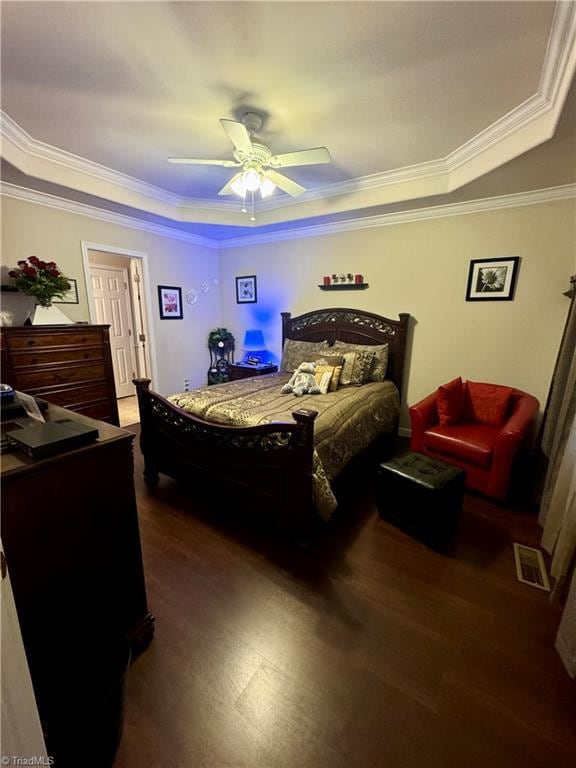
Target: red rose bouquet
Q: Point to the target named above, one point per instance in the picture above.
(41, 279)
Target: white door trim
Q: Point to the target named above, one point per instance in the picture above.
(143, 256)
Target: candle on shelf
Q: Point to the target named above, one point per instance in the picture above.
(358, 279)
(326, 280)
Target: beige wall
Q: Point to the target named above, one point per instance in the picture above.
(53, 235)
(422, 268)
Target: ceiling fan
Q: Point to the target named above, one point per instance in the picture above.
(257, 162)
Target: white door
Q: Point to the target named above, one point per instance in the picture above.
(112, 302)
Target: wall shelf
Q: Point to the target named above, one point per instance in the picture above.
(344, 287)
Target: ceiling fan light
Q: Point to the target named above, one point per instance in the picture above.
(251, 180)
(267, 187)
(238, 187)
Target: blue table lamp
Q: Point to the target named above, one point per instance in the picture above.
(254, 348)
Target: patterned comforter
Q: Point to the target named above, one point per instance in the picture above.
(347, 422)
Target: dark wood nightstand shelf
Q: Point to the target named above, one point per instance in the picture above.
(239, 371)
(344, 287)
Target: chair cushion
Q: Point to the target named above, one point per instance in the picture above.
(473, 443)
(487, 403)
(450, 402)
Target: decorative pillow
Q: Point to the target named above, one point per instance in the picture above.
(380, 352)
(296, 352)
(323, 375)
(450, 402)
(487, 403)
(356, 368)
(335, 363)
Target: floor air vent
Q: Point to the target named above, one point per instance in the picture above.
(530, 568)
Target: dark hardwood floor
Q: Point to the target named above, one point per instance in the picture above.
(366, 649)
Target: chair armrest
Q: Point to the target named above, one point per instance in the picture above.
(521, 418)
(423, 415)
(508, 441)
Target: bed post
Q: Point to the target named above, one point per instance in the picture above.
(401, 352)
(142, 392)
(304, 523)
(285, 326)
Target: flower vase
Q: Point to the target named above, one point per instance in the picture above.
(49, 316)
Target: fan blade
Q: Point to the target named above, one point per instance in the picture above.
(291, 187)
(227, 188)
(315, 156)
(195, 161)
(238, 135)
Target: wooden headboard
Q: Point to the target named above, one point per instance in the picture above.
(356, 327)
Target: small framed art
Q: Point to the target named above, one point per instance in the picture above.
(246, 289)
(71, 297)
(170, 299)
(492, 279)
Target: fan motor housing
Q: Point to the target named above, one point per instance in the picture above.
(260, 153)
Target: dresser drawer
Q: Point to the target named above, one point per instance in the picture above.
(45, 357)
(69, 365)
(75, 397)
(46, 378)
(30, 339)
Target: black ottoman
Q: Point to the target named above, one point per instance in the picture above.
(423, 496)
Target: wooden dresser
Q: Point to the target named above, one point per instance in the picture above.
(69, 365)
(72, 542)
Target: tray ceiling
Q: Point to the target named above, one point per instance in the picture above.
(412, 99)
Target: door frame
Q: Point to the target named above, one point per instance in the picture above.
(145, 294)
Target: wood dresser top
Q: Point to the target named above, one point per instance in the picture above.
(17, 461)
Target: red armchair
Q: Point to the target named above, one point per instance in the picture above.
(482, 443)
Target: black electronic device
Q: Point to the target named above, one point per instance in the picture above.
(42, 440)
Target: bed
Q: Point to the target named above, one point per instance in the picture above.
(278, 453)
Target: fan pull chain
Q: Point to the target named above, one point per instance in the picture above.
(252, 217)
(244, 204)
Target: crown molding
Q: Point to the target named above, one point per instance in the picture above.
(557, 70)
(521, 129)
(516, 200)
(44, 161)
(11, 131)
(70, 206)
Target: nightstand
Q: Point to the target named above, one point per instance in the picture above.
(245, 371)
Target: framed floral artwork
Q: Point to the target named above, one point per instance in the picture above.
(246, 289)
(170, 300)
(492, 279)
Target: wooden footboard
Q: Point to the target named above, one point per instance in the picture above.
(267, 467)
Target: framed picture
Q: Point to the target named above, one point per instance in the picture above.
(492, 279)
(246, 289)
(72, 296)
(170, 299)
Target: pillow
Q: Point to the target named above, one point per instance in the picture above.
(487, 403)
(380, 352)
(296, 352)
(335, 364)
(450, 402)
(323, 375)
(330, 360)
(356, 368)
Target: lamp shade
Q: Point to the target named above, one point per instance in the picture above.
(254, 341)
